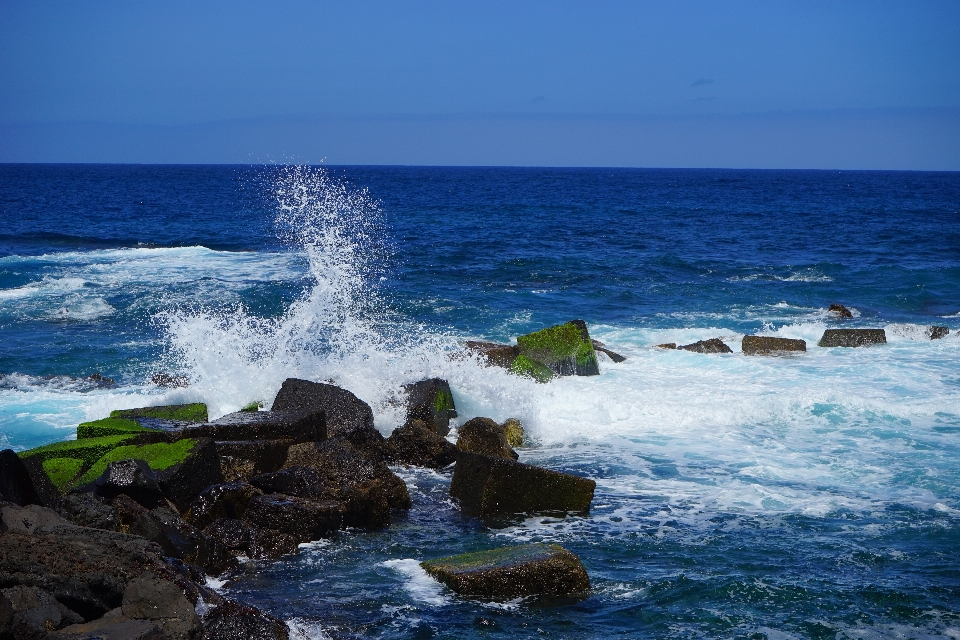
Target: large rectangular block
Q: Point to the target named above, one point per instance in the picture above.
(487, 486)
(297, 425)
(852, 337)
(763, 345)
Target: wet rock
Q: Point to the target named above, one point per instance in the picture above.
(228, 500)
(193, 412)
(488, 486)
(852, 337)
(247, 458)
(565, 349)
(116, 627)
(296, 425)
(35, 612)
(302, 518)
(431, 402)
(840, 310)
(170, 381)
(232, 533)
(713, 345)
(304, 482)
(15, 483)
(6, 615)
(511, 572)
(162, 603)
(762, 345)
(667, 345)
(496, 355)
(232, 621)
(936, 333)
(133, 478)
(87, 510)
(513, 429)
(602, 348)
(416, 444)
(483, 435)
(27, 519)
(179, 539)
(270, 543)
(127, 511)
(346, 414)
(48, 494)
(181, 483)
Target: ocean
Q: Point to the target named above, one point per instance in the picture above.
(815, 495)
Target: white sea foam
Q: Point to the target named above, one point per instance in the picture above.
(302, 629)
(417, 583)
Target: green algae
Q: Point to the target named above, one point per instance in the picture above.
(109, 427)
(442, 401)
(62, 470)
(253, 406)
(89, 450)
(158, 456)
(195, 412)
(524, 366)
(566, 349)
(513, 429)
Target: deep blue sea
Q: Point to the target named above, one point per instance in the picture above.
(809, 496)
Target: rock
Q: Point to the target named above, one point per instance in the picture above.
(762, 345)
(166, 380)
(527, 368)
(27, 519)
(110, 628)
(713, 345)
(270, 543)
(247, 458)
(110, 427)
(35, 612)
(483, 435)
(86, 510)
(127, 511)
(299, 426)
(179, 539)
(488, 486)
(304, 482)
(432, 402)
(852, 337)
(6, 616)
(232, 533)
(302, 518)
(15, 483)
(346, 414)
(232, 621)
(936, 333)
(513, 429)
(416, 444)
(599, 346)
(840, 310)
(228, 500)
(511, 572)
(195, 412)
(497, 355)
(667, 345)
(182, 482)
(134, 478)
(565, 349)
(162, 603)
(48, 494)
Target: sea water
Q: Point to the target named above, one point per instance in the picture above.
(815, 495)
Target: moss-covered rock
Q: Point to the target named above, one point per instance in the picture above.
(194, 412)
(109, 427)
(253, 406)
(764, 345)
(509, 572)
(488, 486)
(527, 368)
(62, 471)
(566, 349)
(62, 456)
(852, 337)
(513, 429)
(158, 456)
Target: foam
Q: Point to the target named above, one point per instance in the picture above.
(418, 584)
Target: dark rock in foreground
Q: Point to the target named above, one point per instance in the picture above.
(483, 435)
(243, 459)
(431, 402)
(16, 485)
(713, 345)
(488, 486)
(840, 310)
(184, 481)
(302, 518)
(852, 337)
(232, 621)
(133, 478)
(762, 345)
(510, 572)
(936, 333)
(415, 444)
(228, 500)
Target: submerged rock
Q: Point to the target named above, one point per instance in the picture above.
(602, 348)
(936, 333)
(565, 349)
(713, 345)
(840, 310)
(510, 572)
(488, 486)
(431, 402)
(763, 345)
(852, 337)
(483, 435)
(415, 444)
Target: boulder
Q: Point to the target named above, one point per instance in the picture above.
(243, 459)
(513, 429)
(852, 337)
(6, 616)
(232, 533)
(162, 603)
(431, 402)
(232, 621)
(270, 543)
(303, 482)
(194, 412)
(302, 518)
(602, 348)
(27, 519)
(295, 425)
(347, 415)
(416, 444)
(183, 481)
(110, 427)
(667, 345)
(936, 333)
(713, 345)
(511, 572)
(488, 486)
(34, 612)
(130, 477)
(110, 627)
(527, 368)
(127, 511)
(566, 349)
(15, 483)
(763, 345)
(483, 435)
(228, 500)
(840, 310)
(87, 510)
(179, 539)
(494, 354)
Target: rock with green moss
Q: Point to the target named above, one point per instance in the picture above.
(565, 349)
(432, 402)
(253, 406)
(488, 486)
(296, 425)
(511, 572)
(109, 427)
(80, 455)
(194, 412)
(483, 435)
(513, 429)
(527, 368)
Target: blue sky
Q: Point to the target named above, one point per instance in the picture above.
(771, 84)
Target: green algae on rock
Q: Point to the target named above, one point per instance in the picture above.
(525, 367)
(565, 349)
(109, 427)
(510, 572)
(432, 402)
(253, 406)
(62, 471)
(194, 412)
(513, 429)
(87, 450)
(159, 456)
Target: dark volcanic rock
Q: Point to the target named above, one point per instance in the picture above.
(35, 612)
(510, 572)
(232, 621)
(496, 355)
(431, 402)
(248, 458)
(162, 603)
(852, 337)
(488, 486)
(127, 511)
(299, 425)
(179, 539)
(483, 435)
(184, 481)
(87, 510)
(302, 518)
(346, 413)
(110, 627)
(304, 482)
(270, 543)
(840, 310)
(415, 444)
(667, 345)
(27, 519)
(232, 533)
(713, 345)
(15, 483)
(616, 357)
(227, 500)
(936, 333)
(134, 478)
(762, 345)
(48, 494)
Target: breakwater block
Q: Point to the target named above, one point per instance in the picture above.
(295, 425)
(243, 459)
(194, 412)
(488, 486)
(483, 435)
(510, 572)
(566, 349)
(762, 345)
(432, 402)
(416, 444)
(713, 345)
(302, 518)
(852, 337)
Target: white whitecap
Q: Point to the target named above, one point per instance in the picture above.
(418, 584)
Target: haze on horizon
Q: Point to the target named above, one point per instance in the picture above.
(852, 85)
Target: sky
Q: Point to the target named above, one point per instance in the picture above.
(847, 85)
